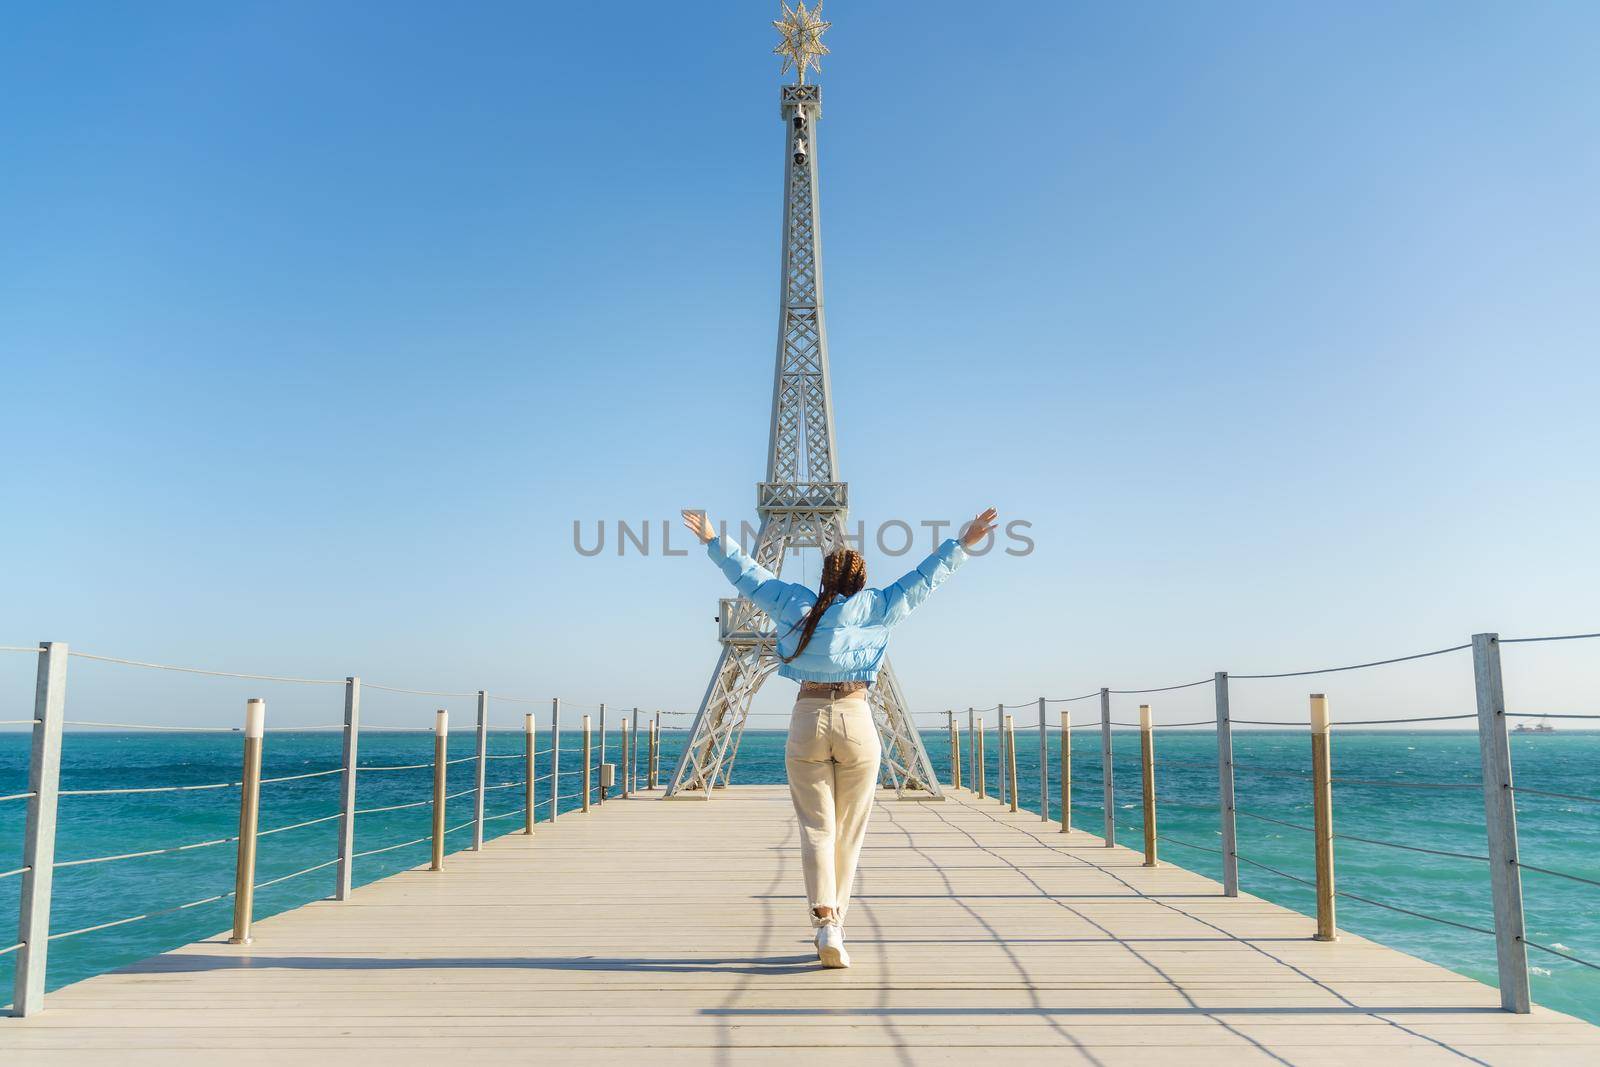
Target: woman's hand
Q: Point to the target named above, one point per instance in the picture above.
(699, 525)
(979, 528)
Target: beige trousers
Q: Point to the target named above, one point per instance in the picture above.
(832, 757)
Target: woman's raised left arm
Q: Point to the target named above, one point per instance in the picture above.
(907, 594)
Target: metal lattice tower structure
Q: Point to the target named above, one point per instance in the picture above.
(802, 503)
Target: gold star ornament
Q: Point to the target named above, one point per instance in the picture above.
(802, 32)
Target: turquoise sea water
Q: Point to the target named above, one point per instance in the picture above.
(1562, 835)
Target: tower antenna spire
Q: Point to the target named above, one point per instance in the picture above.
(801, 46)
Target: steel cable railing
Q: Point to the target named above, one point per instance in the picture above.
(136, 918)
(296, 874)
(1536, 715)
(1557, 952)
(252, 780)
(298, 777)
(1188, 844)
(1269, 818)
(1381, 784)
(1350, 666)
(392, 807)
(148, 789)
(1412, 848)
(1557, 796)
(1003, 729)
(1160, 689)
(161, 729)
(198, 670)
(149, 852)
(297, 825)
(389, 848)
(1558, 874)
(1555, 637)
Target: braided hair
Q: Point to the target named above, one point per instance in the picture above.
(844, 573)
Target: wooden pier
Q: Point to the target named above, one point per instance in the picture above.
(976, 932)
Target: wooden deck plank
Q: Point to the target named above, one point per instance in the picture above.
(973, 929)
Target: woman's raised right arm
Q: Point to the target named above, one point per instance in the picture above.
(753, 581)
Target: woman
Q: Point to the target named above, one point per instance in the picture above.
(832, 643)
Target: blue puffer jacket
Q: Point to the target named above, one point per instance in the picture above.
(852, 634)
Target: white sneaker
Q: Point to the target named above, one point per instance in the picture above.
(830, 946)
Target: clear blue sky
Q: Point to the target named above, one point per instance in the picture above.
(320, 324)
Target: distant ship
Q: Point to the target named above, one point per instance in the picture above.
(1541, 727)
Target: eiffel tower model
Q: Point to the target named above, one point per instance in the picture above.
(803, 502)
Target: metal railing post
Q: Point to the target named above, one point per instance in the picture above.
(983, 763)
(39, 836)
(345, 871)
(627, 758)
(1044, 768)
(530, 763)
(1106, 770)
(441, 761)
(1500, 818)
(602, 747)
(555, 757)
(1000, 756)
(588, 777)
(1322, 817)
(973, 756)
(1147, 781)
(653, 755)
(1011, 759)
(955, 751)
(244, 867)
(482, 770)
(633, 755)
(1230, 839)
(1066, 772)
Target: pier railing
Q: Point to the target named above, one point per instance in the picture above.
(969, 770)
(638, 771)
(1490, 719)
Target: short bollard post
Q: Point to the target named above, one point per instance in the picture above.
(627, 760)
(1147, 770)
(347, 812)
(1322, 817)
(1107, 770)
(530, 762)
(244, 868)
(441, 767)
(39, 834)
(1066, 772)
(555, 757)
(588, 777)
(482, 776)
(1011, 759)
(983, 764)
